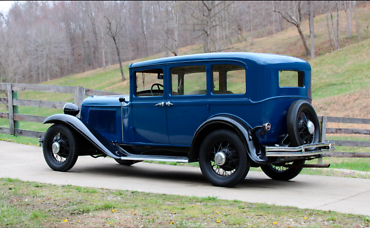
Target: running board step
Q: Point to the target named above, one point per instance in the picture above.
(142, 157)
(133, 157)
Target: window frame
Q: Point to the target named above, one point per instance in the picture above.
(188, 64)
(228, 63)
(134, 86)
(300, 79)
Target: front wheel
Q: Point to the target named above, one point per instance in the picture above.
(60, 148)
(223, 159)
(281, 172)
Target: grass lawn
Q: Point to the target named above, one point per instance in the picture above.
(31, 204)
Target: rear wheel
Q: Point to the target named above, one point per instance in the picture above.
(223, 159)
(60, 148)
(281, 172)
(303, 128)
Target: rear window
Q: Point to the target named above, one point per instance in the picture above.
(290, 78)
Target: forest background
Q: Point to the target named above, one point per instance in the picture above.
(41, 41)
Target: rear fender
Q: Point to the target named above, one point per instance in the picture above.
(85, 131)
(234, 123)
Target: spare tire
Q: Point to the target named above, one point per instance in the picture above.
(302, 124)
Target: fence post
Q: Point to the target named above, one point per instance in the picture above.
(79, 97)
(10, 108)
(15, 109)
(323, 129)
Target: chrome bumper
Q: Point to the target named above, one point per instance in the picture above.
(299, 151)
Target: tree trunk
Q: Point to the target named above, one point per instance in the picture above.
(334, 36)
(251, 23)
(338, 25)
(146, 52)
(327, 23)
(176, 33)
(307, 50)
(312, 32)
(119, 58)
(357, 28)
(349, 18)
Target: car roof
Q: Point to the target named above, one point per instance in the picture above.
(258, 58)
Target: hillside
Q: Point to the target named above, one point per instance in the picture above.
(286, 42)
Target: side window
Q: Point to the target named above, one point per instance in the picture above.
(290, 78)
(228, 79)
(149, 83)
(189, 80)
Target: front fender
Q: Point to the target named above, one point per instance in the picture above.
(86, 131)
(238, 125)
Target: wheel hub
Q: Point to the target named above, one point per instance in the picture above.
(55, 147)
(310, 127)
(220, 158)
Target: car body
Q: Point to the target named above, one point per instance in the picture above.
(227, 111)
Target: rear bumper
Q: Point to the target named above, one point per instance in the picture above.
(299, 151)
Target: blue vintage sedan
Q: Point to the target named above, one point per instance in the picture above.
(227, 111)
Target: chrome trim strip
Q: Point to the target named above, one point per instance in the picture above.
(156, 158)
(279, 151)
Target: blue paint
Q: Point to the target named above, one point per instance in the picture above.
(264, 101)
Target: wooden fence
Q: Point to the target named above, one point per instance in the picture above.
(80, 93)
(13, 103)
(348, 131)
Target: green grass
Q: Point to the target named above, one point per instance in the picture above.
(341, 72)
(30, 204)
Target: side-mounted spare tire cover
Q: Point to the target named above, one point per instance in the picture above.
(302, 124)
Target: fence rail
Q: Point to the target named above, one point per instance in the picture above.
(12, 102)
(350, 131)
(80, 92)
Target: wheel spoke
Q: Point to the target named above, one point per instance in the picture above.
(231, 163)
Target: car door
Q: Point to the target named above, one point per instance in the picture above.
(149, 116)
(186, 102)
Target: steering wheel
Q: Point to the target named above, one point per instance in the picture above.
(158, 85)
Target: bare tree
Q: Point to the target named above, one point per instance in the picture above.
(327, 23)
(91, 12)
(288, 14)
(335, 37)
(167, 15)
(205, 13)
(312, 30)
(348, 10)
(356, 21)
(115, 26)
(337, 24)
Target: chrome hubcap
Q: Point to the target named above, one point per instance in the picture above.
(55, 147)
(220, 158)
(310, 127)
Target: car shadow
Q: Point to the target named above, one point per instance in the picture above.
(175, 174)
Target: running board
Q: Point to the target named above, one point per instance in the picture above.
(308, 166)
(135, 157)
(142, 157)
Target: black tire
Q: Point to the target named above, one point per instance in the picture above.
(236, 164)
(282, 173)
(300, 112)
(66, 156)
(126, 162)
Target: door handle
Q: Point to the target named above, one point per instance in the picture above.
(160, 104)
(169, 103)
